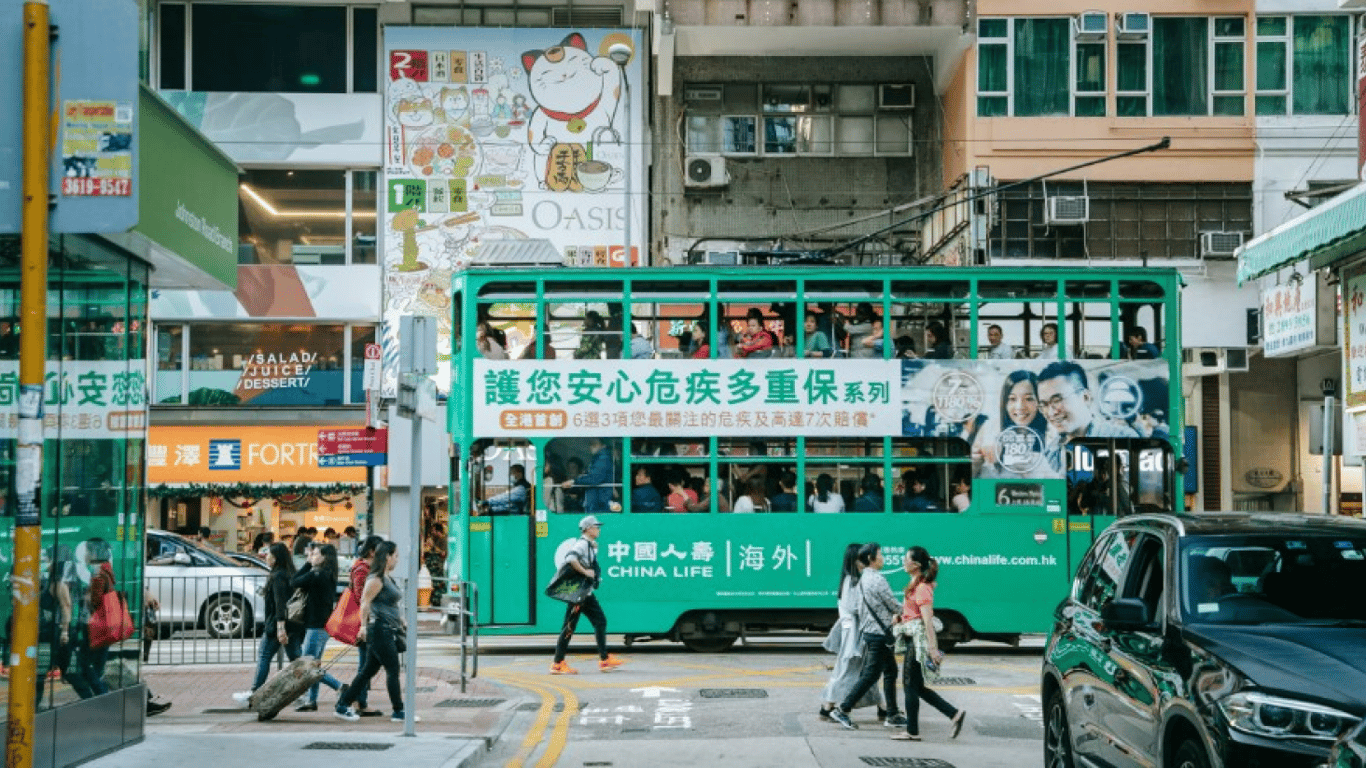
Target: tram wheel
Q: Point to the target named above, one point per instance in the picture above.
(714, 644)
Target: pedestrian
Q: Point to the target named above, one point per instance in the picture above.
(583, 557)
(918, 609)
(318, 580)
(299, 551)
(845, 643)
(56, 614)
(261, 544)
(278, 632)
(150, 606)
(89, 660)
(360, 572)
(878, 610)
(382, 628)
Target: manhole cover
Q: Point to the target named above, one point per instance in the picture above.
(955, 681)
(530, 706)
(363, 746)
(733, 693)
(559, 706)
(906, 761)
(470, 703)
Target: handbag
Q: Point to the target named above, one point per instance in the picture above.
(569, 586)
(344, 623)
(111, 622)
(297, 606)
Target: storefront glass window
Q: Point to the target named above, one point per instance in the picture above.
(266, 364)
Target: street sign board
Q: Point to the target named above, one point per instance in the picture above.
(93, 172)
(374, 369)
(354, 460)
(333, 442)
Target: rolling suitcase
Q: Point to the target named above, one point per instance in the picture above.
(285, 686)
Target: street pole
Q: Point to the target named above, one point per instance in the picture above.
(28, 469)
(415, 541)
(1328, 443)
(620, 53)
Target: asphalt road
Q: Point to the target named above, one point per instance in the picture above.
(753, 706)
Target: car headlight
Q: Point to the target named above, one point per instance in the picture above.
(1263, 715)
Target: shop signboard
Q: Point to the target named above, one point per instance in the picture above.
(504, 134)
(82, 399)
(354, 460)
(182, 455)
(813, 397)
(1290, 318)
(1354, 335)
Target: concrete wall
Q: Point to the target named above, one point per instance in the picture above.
(772, 197)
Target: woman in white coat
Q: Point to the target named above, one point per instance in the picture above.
(845, 642)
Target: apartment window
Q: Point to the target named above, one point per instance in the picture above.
(1304, 65)
(1229, 41)
(268, 48)
(1189, 66)
(306, 217)
(1030, 67)
(800, 119)
(1180, 63)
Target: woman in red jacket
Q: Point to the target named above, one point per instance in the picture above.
(90, 660)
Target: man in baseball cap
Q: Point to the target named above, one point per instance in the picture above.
(583, 557)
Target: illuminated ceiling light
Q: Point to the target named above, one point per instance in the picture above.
(279, 214)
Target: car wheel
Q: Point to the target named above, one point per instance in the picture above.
(227, 616)
(1057, 737)
(1190, 755)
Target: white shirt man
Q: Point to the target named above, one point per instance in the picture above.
(999, 349)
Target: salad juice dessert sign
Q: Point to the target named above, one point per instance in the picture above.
(504, 134)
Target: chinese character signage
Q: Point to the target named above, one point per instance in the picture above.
(669, 398)
(1354, 335)
(504, 134)
(1289, 318)
(240, 454)
(82, 400)
(97, 148)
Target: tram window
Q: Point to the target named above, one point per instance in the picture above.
(1017, 289)
(502, 479)
(1043, 332)
(643, 334)
(587, 330)
(919, 487)
(756, 291)
(1142, 326)
(1091, 330)
(647, 447)
(768, 446)
(509, 291)
(854, 447)
(832, 486)
(642, 290)
(1088, 289)
(512, 327)
(929, 289)
(457, 322)
(593, 290)
(846, 290)
(757, 331)
(920, 447)
(859, 329)
(752, 486)
(670, 328)
(931, 331)
(587, 472)
(1000, 331)
(1140, 289)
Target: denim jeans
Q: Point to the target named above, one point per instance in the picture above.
(270, 645)
(90, 669)
(380, 651)
(315, 640)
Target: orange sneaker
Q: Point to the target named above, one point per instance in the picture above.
(562, 668)
(610, 663)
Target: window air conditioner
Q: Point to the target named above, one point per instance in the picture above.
(1090, 26)
(705, 172)
(1132, 25)
(1235, 359)
(1068, 210)
(896, 96)
(1220, 243)
(1204, 361)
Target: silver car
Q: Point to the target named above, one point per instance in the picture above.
(200, 588)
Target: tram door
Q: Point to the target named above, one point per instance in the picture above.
(1108, 479)
(502, 532)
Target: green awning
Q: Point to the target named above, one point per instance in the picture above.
(1323, 235)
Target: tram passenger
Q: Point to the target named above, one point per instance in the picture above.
(701, 486)
(785, 500)
(513, 501)
(905, 347)
(817, 344)
(754, 498)
(573, 497)
(938, 344)
(552, 493)
(592, 337)
(999, 349)
(1137, 345)
(1048, 334)
(597, 480)
(755, 342)
(644, 495)
(860, 330)
(640, 346)
(962, 494)
(486, 343)
(870, 494)
(681, 497)
(825, 499)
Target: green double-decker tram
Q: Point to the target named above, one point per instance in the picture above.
(736, 428)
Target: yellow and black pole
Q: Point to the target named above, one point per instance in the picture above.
(37, 111)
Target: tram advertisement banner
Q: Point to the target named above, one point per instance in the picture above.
(505, 134)
(1018, 415)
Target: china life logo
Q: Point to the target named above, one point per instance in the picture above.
(225, 454)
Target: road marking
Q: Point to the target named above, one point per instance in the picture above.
(554, 746)
(1031, 708)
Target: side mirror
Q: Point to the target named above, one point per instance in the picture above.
(1125, 613)
(180, 558)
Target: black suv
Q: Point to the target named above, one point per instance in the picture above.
(1211, 640)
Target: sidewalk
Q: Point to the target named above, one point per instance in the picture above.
(205, 726)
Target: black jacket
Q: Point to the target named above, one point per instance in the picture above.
(277, 596)
(322, 595)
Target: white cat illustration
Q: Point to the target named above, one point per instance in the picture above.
(576, 94)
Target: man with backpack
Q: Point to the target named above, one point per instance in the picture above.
(581, 555)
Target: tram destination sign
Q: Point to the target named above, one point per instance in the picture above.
(334, 442)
